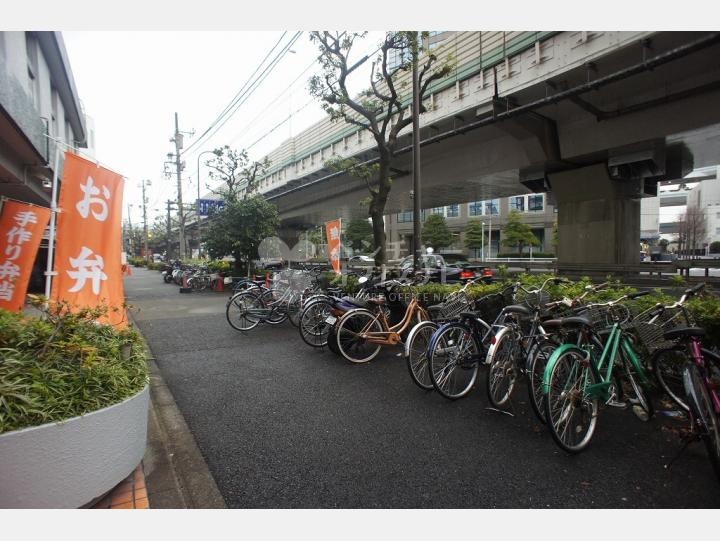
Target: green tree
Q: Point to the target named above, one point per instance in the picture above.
(714, 247)
(516, 233)
(359, 234)
(238, 229)
(239, 176)
(554, 241)
(435, 232)
(474, 235)
(381, 109)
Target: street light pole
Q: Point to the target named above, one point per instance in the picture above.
(178, 166)
(482, 240)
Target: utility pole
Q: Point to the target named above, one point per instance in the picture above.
(178, 145)
(417, 208)
(169, 244)
(145, 225)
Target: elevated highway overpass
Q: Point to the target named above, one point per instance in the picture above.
(596, 119)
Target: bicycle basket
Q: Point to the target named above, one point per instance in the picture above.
(489, 306)
(454, 304)
(651, 335)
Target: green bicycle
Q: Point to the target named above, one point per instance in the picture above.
(580, 375)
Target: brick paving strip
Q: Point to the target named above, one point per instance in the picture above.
(130, 493)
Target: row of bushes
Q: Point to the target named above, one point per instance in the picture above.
(214, 265)
(704, 308)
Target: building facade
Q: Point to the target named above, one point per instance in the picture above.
(536, 210)
(38, 99)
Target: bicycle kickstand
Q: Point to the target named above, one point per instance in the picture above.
(687, 439)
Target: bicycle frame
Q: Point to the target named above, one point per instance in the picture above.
(698, 357)
(390, 335)
(615, 341)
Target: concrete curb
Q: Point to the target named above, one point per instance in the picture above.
(176, 474)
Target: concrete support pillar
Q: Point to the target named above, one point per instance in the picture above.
(598, 217)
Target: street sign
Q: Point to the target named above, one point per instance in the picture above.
(205, 205)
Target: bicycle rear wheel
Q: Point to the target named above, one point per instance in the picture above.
(313, 326)
(570, 412)
(537, 361)
(239, 311)
(703, 411)
(269, 300)
(416, 353)
(502, 372)
(668, 366)
(454, 358)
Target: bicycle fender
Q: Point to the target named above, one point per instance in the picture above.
(414, 331)
(491, 349)
(552, 361)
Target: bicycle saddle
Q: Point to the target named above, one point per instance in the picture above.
(552, 323)
(355, 302)
(517, 309)
(684, 332)
(575, 321)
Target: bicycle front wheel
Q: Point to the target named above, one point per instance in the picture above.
(352, 340)
(270, 301)
(703, 411)
(454, 358)
(668, 366)
(570, 411)
(241, 311)
(416, 353)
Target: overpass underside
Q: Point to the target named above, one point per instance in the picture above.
(597, 138)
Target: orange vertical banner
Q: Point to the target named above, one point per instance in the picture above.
(87, 250)
(332, 233)
(21, 230)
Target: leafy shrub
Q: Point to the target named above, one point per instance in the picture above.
(155, 266)
(137, 261)
(64, 365)
(219, 266)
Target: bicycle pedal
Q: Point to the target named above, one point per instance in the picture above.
(615, 404)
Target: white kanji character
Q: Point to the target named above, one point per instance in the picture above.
(12, 252)
(87, 268)
(19, 234)
(334, 254)
(6, 291)
(25, 217)
(334, 233)
(88, 200)
(9, 270)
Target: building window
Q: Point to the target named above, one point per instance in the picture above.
(492, 206)
(475, 208)
(438, 210)
(536, 202)
(32, 63)
(517, 203)
(405, 217)
(452, 211)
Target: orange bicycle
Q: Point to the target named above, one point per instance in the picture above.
(361, 333)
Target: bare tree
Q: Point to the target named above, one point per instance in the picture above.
(692, 228)
(239, 176)
(382, 109)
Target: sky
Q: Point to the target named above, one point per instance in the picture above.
(132, 83)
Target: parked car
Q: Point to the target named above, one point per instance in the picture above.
(434, 265)
(468, 270)
(360, 261)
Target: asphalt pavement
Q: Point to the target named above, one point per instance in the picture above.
(283, 425)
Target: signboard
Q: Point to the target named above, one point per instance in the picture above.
(204, 206)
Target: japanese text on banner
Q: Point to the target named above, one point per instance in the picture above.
(21, 230)
(87, 260)
(332, 232)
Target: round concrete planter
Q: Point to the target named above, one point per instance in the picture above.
(69, 464)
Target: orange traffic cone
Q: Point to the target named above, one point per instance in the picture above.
(185, 281)
(219, 284)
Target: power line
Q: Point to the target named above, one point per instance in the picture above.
(235, 97)
(245, 93)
